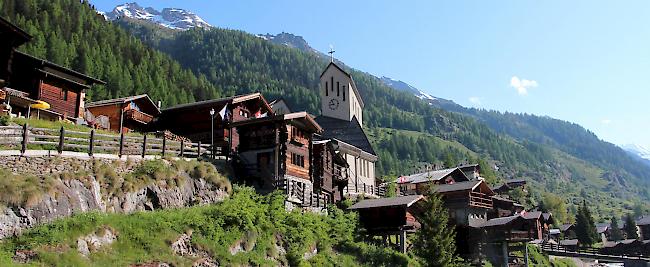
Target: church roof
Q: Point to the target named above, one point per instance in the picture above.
(354, 85)
(349, 132)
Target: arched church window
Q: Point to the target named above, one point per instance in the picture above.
(338, 89)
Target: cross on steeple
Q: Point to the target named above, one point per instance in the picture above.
(331, 52)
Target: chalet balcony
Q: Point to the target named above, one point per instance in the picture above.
(472, 199)
(138, 116)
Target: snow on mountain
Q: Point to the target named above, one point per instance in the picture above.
(172, 18)
(637, 150)
(290, 40)
(402, 86)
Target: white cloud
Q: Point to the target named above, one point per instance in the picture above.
(606, 121)
(475, 100)
(522, 85)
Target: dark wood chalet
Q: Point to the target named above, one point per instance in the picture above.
(29, 79)
(386, 217)
(644, 227)
(330, 169)
(126, 114)
(193, 120)
(277, 153)
(419, 183)
(11, 37)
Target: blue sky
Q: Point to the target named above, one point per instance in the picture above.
(582, 61)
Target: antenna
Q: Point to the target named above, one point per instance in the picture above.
(331, 52)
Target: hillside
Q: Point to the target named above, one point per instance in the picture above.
(245, 230)
(200, 64)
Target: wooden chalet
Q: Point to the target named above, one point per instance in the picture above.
(420, 183)
(504, 207)
(498, 233)
(330, 168)
(126, 114)
(29, 79)
(541, 222)
(193, 120)
(277, 153)
(386, 217)
(280, 106)
(11, 37)
(567, 231)
(472, 171)
(644, 227)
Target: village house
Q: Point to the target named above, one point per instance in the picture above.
(644, 227)
(194, 121)
(276, 152)
(29, 79)
(280, 106)
(125, 114)
(330, 169)
(342, 120)
(419, 183)
(390, 217)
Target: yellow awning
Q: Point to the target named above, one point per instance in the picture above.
(40, 105)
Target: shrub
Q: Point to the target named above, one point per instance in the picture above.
(4, 120)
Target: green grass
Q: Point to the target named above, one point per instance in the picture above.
(259, 222)
(36, 123)
(23, 190)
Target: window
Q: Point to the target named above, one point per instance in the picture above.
(64, 95)
(326, 87)
(343, 92)
(338, 89)
(243, 113)
(332, 83)
(298, 160)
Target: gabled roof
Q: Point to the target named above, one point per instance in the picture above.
(461, 186)
(354, 85)
(532, 215)
(645, 220)
(501, 221)
(221, 101)
(49, 68)
(276, 101)
(303, 116)
(406, 201)
(349, 132)
(10, 28)
(123, 100)
(565, 227)
(601, 228)
(432, 176)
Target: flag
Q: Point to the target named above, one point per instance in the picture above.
(258, 114)
(223, 113)
(266, 114)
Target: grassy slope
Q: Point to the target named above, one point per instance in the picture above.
(247, 217)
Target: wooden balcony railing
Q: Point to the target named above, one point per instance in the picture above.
(480, 200)
(138, 116)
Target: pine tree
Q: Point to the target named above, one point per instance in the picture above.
(630, 227)
(585, 226)
(615, 231)
(434, 243)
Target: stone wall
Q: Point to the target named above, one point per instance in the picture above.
(74, 196)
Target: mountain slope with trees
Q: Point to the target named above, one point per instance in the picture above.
(201, 64)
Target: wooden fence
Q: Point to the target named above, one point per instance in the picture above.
(25, 138)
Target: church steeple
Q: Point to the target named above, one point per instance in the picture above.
(340, 98)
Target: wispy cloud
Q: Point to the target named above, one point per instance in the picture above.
(475, 100)
(522, 85)
(606, 121)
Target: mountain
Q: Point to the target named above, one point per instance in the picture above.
(290, 40)
(638, 151)
(553, 156)
(172, 18)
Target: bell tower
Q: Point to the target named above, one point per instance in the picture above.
(339, 96)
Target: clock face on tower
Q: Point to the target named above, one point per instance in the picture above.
(334, 104)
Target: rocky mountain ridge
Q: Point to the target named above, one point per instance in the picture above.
(172, 18)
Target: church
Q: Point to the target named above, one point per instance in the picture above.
(342, 122)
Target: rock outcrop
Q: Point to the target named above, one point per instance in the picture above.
(74, 196)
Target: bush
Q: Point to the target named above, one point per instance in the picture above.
(4, 120)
